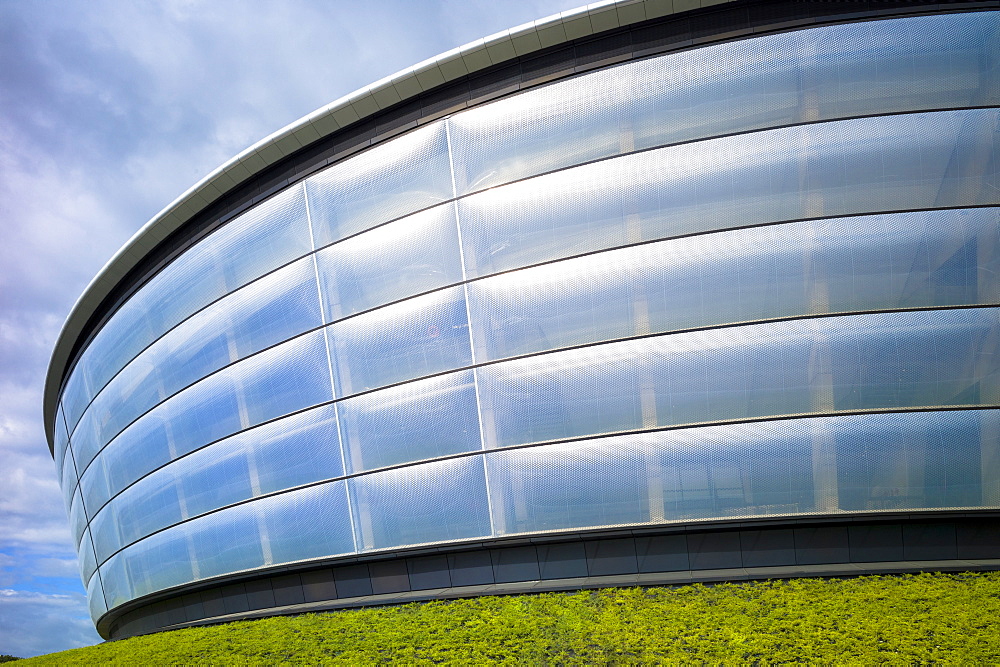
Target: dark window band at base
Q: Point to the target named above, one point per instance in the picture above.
(736, 551)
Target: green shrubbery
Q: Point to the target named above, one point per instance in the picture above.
(927, 618)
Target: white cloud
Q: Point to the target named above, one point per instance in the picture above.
(35, 623)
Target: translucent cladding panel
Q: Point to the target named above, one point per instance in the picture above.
(405, 257)
(924, 460)
(571, 485)
(258, 241)
(289, 452)
(401, 176)
(421, 336)
(428, 502)
(94, 484)
(87, 441)
(302, 524)
(76, 394)
(60, 438)
(106, 531)
(68, 482)
(77, 519)
(876, 262)
(88, 564)
(414, 421)
(308, 523)
(266, 312)
(118, 589)
(897, 360)
(912, 161)
(95, 599)
(821, 73)
(278, 381)
(816, 465)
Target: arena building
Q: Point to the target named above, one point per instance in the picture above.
(653, 291)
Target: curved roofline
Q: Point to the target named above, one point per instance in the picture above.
(449, 66)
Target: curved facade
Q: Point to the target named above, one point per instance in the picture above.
(709, 275)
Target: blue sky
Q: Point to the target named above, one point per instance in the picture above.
(108, 111)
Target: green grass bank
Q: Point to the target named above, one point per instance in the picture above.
(918, 619)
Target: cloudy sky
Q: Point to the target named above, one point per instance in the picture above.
(109, 109)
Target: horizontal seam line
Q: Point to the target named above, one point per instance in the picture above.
(500, 185)
(527, 356)
(586, 438)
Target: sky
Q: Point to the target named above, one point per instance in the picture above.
(110, 109)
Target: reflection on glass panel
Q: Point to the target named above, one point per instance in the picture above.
(59, 440)
(288, 452)
(258, 241)
(403, 258)
(947, 460)
(69, 480)
(414, 421)
(95, 599)
(88, 565)
(847, 167)
(808, 75)
(118, 589)
(893, 360)
(278, 381)
(86, 441)
(908, 260)
(273, 309)
(421, 336)
(429, 502)
(308, 523)
(76, 394)
(77, 519)
(573, 485)
(105, 532)
(849, 463)
(94, 484)
(388, 181)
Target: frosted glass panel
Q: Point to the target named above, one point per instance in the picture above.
(416, 420)
(385, 182)
(909, 260)
(268, 311)
(304, 524)
(258, 241)
(95, 599)
(76, 395)
(279, 455)
(903, 162)
(429, 502)
(406, 257)
(800, 466)
(88, 565)
(808, 75)
(818, 365)
(118, 589)
(281, 380)
(59, 440)
(77, 519)
(421, 336)
(309, 523)
(94, 484)
(68, 479)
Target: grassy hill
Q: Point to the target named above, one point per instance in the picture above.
(938, 618)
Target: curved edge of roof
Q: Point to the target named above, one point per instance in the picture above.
(449, 66)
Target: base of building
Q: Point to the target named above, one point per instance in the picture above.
(708, 552)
